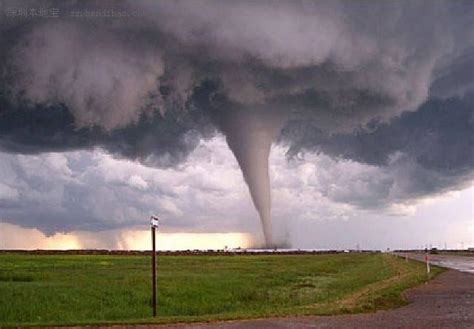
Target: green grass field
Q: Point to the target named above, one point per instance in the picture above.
(76, 289)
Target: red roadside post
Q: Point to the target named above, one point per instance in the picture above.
(154, 222)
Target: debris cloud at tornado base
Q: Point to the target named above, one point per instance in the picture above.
(337, 78)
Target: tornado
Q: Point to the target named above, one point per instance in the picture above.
(249, 135)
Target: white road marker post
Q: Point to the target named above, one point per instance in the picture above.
(427, 260)
(154, 223)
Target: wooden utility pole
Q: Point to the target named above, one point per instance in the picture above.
(153, 266)
(154, 225)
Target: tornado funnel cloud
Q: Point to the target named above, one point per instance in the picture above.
(250, 135)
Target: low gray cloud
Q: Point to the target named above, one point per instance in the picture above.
(92, 191)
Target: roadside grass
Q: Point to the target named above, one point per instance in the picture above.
(78, 289)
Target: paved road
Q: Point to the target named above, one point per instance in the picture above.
(460, 263)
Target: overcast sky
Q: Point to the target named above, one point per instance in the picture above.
(172, 111)
(318, 202)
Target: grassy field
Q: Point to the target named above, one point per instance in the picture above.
(76, 289)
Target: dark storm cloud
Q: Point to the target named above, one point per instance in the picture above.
(338, 64)
(156, 140)
(439, 136)
(386, 83)
(433, 147)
